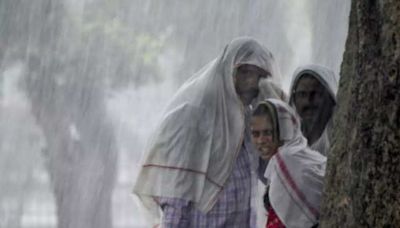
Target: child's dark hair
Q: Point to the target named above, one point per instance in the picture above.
(260, 110)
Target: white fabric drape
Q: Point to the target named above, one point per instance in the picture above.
(195, 146)
(295, 173)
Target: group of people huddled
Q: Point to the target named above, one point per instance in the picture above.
(230, 126)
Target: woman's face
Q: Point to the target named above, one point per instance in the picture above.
(262, 136)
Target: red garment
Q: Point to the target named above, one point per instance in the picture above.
(273, 220)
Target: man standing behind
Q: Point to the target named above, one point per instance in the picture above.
(313, 95)
(199, 168)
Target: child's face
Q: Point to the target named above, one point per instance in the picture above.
(262, 136)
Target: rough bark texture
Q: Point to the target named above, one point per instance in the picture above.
(363, 177)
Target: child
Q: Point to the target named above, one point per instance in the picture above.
(294, 172)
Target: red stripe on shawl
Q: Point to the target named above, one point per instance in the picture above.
(294, 186)
(184, 169)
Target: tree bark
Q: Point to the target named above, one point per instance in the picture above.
(363, 174)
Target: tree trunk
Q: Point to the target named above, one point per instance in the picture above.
(81, 152)
(363, 175)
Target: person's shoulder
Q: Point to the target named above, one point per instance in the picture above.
(184, 109)
(305, 156)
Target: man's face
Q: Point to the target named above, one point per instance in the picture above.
(262, 136)
(246, 82)
(309, 97)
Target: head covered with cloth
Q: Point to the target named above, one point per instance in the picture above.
(194, 148)
(313, 95)
(295, 172)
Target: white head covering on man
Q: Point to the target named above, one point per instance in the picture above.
(329, 80)
(201, 132)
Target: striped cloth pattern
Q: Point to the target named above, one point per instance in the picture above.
(232, 209)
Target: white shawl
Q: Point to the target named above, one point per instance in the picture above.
(295, 173)
(194, 149)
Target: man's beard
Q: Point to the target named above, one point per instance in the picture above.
(309, 112)
(308, 125)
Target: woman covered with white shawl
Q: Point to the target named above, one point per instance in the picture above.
(199, 168)
(294, 172)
